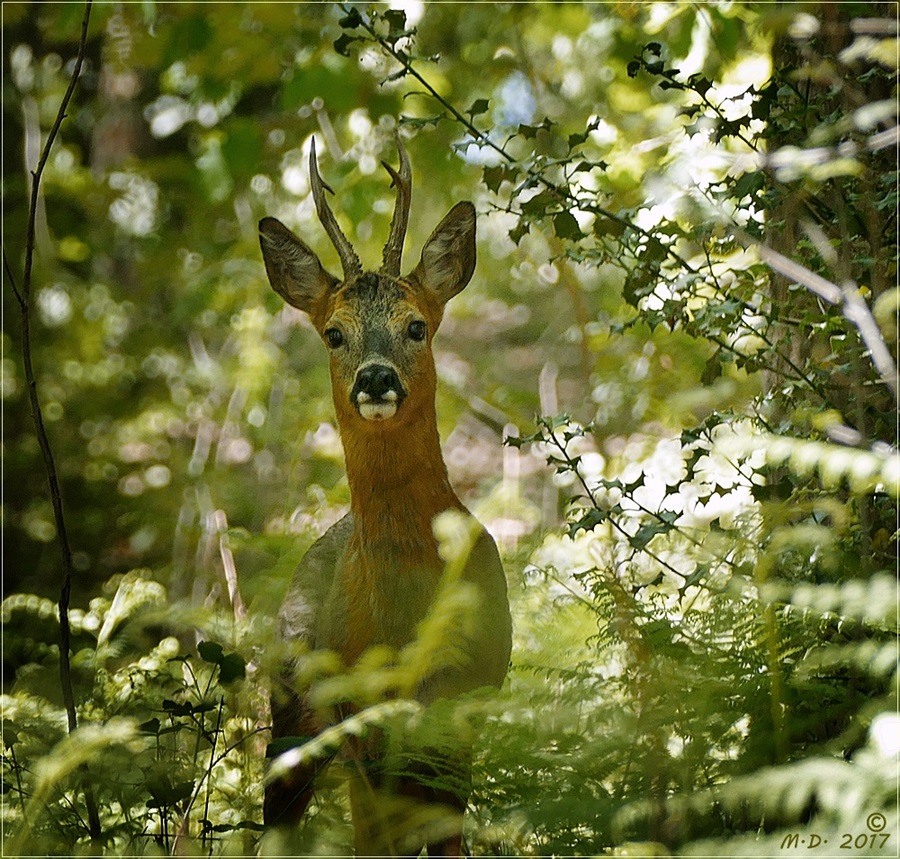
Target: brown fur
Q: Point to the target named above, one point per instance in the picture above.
(372, 578)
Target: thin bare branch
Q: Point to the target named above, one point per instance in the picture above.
(24, 296)
(852, 305)
(51, 138)
(815, 283)
(12, 280)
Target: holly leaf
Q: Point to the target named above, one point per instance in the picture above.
(396, 19)
(591, 519)
(712, 370)
(530, 131)
(649, 530)
(351, 19)
(749, 184)
(584, 166)
(566, 226)
(538, 204)
(578, 139)
(342, 44)
(699, 84)
(518, 232)
(494, 176)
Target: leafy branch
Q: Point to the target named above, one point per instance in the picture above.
(548, 432)
(650, 60)
(560, 196)
(23, 297)
(559, 200)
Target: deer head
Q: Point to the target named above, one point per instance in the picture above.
(377, 325)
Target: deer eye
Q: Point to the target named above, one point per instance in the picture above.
(417, 330)
(334, 338)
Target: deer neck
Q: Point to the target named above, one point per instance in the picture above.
(398, 482)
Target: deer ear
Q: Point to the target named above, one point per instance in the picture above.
(293, 269)
(448, 258)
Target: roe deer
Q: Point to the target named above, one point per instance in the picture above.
(373, 576)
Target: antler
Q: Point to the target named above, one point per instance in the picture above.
(349, 259)
(393, 250)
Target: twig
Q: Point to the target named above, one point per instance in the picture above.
(23, 297)
(12, 280)
(564, 198)
(595, 504)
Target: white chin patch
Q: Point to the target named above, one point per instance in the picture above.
(377, 411)
(385, 408)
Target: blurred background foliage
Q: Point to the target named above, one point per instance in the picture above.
(700, 533)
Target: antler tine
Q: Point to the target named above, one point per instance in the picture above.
(349, 259)
(402, 181)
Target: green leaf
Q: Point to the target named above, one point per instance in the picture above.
(10, 737)
(231, 667)
(396, 19)
(647, 532)
(608, 227)
(655, 252)
(479, 106)
(210, 651)
(591, 518)
(493, 177)
(566, 226)
(351, 19)
(529, 132)
(578, 139)
(712, 370)
(538, 204)
(165, 793)
(177, 709)
(342, 44)
(150, 727)
(699, 84)
(584, 166)
(420, 121)
(749, 184)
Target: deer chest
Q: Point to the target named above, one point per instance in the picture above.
(380, 598)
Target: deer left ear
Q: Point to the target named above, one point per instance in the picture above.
(448, 258)
(294, 270)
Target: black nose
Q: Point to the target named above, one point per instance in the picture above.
(376, 380)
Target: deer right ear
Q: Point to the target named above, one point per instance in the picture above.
(448, 258)
(293, 269)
